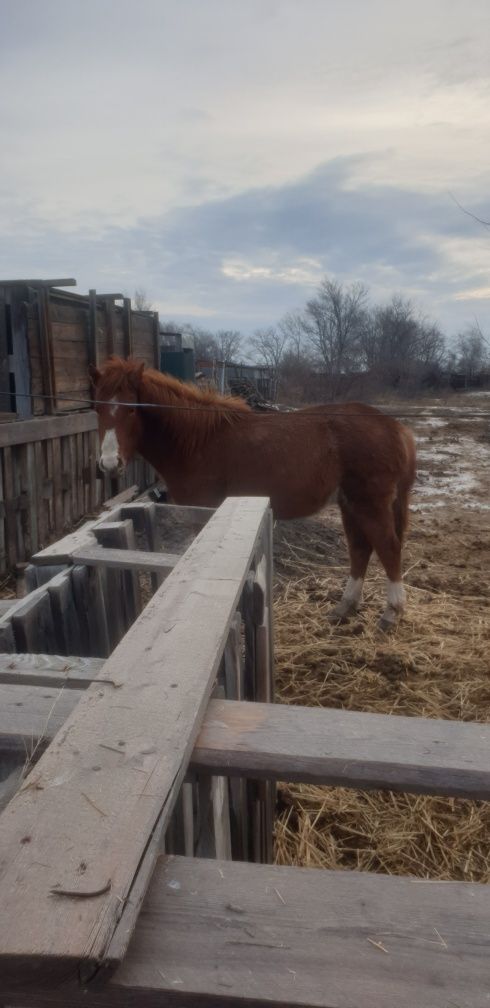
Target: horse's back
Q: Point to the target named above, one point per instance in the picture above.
(369, 442)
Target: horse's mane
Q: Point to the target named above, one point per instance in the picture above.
(207, 410)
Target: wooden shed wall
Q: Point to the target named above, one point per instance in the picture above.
(56, 335)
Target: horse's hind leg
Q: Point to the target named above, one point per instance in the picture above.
(360, 550)
(381, 523)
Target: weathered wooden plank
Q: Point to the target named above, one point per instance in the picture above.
(7, 639)
(5, 605)
(33, 625)
(101, 812)
(62, 551)
(57, 671)
(92, 327)
(253, 935)
(121, 498)
(346, 748)
(3, 553)
(45, 428)
(143, 516)
(20, 363)
(30, 714)
(10, 785)
(88, 591)
(234, 685)
(70, 282)
(65, 615)
(221, 817)
(57, 487)
(32, 493)
(127, 327)
(184, 512)
(123, 601)
(46, 349)
(10, 516)
(22, 606)
(40, 456)
(288, 743)
(122, 559)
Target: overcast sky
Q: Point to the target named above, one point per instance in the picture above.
(226, 154)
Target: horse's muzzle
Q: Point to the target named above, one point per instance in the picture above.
(115, 468)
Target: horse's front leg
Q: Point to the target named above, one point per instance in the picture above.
(360, 550)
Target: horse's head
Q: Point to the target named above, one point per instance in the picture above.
(116, 388)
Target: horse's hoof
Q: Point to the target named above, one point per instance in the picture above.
(389, 620)
(343, 611)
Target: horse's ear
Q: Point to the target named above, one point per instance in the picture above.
(94, 374)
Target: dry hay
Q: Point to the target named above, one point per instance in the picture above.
(435, 665)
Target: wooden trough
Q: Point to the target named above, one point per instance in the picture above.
(140, 742)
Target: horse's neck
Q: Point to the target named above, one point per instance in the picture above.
(172, 435)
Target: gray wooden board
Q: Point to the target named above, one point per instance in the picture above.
(121, 498)
(184, 512)
(293, 743)
(110, 779)
(25, 431)
(61, 552)
(346, 748)
(123, 601)
(65, 615)
(23, 604)
(29, 714)
(88, 590)
(5, 605)
(48, 670)
(33, 624)
(122, 559)
(255, 935)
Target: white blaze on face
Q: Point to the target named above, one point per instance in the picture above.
(110, 458)
(109, 452)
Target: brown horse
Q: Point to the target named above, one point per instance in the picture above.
(208, 447)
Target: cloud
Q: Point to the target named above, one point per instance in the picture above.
(247, 259)
(226, 156)
(303, 271)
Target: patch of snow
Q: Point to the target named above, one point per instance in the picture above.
(453, 470)
(433, 422)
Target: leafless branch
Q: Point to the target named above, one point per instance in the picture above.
(469, 213)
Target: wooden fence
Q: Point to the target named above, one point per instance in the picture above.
(49, 481)
(91, 910)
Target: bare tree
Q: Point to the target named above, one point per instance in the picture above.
(269, 346)
(228, 342)
(472, 353)
(334, 321)
(140, 299)
(400, 347)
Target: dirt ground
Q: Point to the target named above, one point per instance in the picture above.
(436, 664)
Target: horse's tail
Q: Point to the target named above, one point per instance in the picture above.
(405, 483)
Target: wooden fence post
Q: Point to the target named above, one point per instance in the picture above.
(128, 327)
(92, 327)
